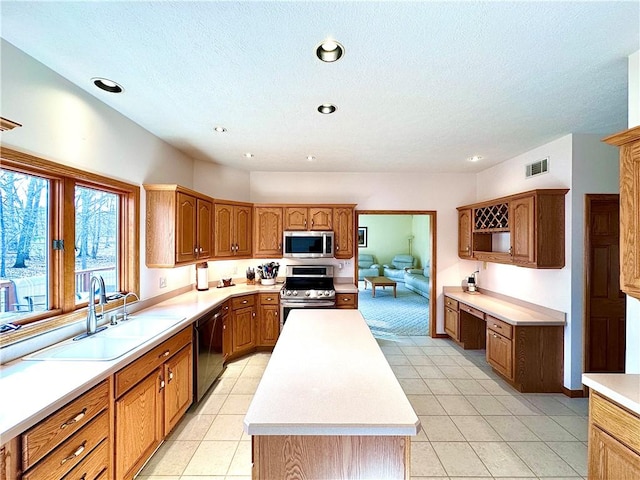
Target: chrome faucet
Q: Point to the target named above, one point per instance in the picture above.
(125, 315)
(92, 318)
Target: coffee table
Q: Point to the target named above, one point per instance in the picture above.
(379, 282)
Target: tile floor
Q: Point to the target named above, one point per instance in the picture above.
(473, 424)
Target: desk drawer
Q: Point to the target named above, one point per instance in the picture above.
(500, 327)
(473, 311)
(451, 303)
(346, 300)
(244, 301)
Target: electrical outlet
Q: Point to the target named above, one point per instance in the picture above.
(163, 282)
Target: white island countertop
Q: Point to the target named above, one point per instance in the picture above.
(328, 376)
(622, 388)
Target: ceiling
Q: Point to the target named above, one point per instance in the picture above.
(422, 85)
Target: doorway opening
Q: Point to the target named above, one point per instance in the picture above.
(400, 246)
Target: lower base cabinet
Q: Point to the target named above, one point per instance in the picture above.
(268, 320)
(346, 300)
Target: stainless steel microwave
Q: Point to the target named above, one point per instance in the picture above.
(307, 244)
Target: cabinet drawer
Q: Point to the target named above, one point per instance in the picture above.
(615, 420)
(451, 303)
(44, 437)
(345, 300)
(139, 369)
(500, 327)
(72, 451)
(244, 301)
(473, 311)
(269, 299)
(95, 466)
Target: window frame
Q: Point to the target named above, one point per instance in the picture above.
(62, 309)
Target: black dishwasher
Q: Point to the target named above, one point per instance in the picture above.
(208, 361)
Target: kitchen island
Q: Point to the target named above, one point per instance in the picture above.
(329, 405)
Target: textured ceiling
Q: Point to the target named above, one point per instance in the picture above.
(421, 87)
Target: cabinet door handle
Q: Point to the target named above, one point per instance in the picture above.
(75, 454)
(510, 250)
(245, 301)
(170, 375)
(276, 313)
(496, 326)
(164, 354)
(495, 336)
(161, 383)
(75, 419)
(269, 299)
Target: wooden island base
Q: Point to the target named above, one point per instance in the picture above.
(335, 457)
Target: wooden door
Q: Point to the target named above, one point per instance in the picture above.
(242, 227)
(320, 218)
(269, 321)
(138, 415)
(224, 230)
(185, 228)
(295, 218)
(178, 391)
(267, 234)
(499, 354)
(522, 225)
(243, 329)
(204, 229)
(605, 309)
(609, 459)
(343, 233)
(465, 225)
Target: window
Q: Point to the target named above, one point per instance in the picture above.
(58, 227)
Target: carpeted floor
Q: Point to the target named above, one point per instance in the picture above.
(408, 314)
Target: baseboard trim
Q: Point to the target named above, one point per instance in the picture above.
(573, 393)
(441, 335)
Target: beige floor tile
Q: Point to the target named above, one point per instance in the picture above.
(253, 371)
(171, 458)
(456, 405)
(441, 386)
(549, 405)
(423, 341)
(226, 427)
(259, 358)
(429, 351)
(212, 458)
(496, 387)
(451, 372)
(199, 477)
(475, 428)
(414, 386)
(500, 460)
(468, 386)
(192, 427)
(408, 350)
(233, 370)
(511, 429)
(487, 405)
(542, 460)
(480, 373)
(578, 405)
(391, 350)
(424, 461)
(241, 463)
(404, 371)
(429, 371)
(459, 459)
(165, 477)
(222, 386)
(546, 429)
(440, 429)
(236, 404)
(426, 405)
(210, 404)
(575, 425)
(419, 360)
(574, 453)
(397, 360)
(518, 405)
(463, 361)
(443, 360)
(421, 436)
(245, 385)
(234, 477)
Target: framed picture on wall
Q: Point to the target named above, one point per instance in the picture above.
(362, 236)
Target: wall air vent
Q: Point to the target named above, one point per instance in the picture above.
(537, 168)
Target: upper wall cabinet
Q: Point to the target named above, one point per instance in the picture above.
(526, 229)
(629, 143)
(267, 231)
(179, 226)
(343, 231)
(233, 226)
(302, 217)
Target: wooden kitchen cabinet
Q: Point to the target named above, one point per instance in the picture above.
(268, 319)
(151, 395)
(451, 317)
(465, 250)
(178, 226)
(614, 440)
(346, 300)
(343, 225)
(500, 347)
(10, 459)
(243, 321)
(233, 227)
(629, 144)
(302, 217)
(267, 231)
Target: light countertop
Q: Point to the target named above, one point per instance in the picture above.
(328, 376)
(622, 388)
(32, 390)
(511, 312)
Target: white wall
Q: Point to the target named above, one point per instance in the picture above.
(632, 363)
(383, 191)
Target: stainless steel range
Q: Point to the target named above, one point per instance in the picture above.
(307, 286)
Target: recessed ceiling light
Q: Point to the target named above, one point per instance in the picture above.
(475, 158)
(107, 85)
(220, 129)
(329, 51)
(248, 155)
(310, 158)
(327, 108)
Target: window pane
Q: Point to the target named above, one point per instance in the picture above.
(97, 239)
(24, 240)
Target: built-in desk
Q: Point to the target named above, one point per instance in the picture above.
(524, 342)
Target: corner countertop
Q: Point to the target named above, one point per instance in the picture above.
(32, 390)
(328, 376)
(511, 311)
(622, 388)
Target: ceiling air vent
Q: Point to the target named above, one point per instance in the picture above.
(537, 168)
